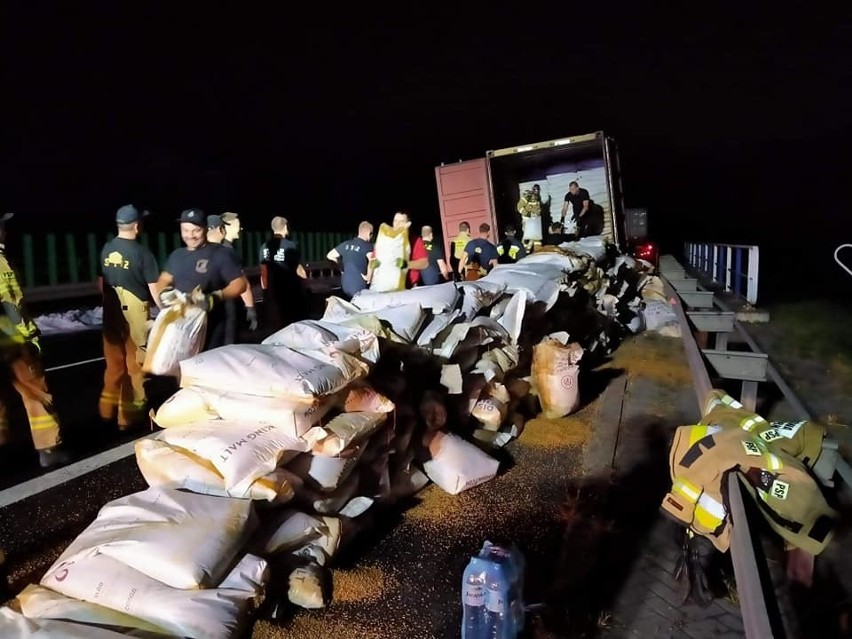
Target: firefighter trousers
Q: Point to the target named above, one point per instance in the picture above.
(125, 334)
(27, 376)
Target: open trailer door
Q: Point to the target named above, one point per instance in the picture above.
(552, 166)
(464, 196)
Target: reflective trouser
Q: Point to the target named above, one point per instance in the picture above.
(27, 376)
(125, 335)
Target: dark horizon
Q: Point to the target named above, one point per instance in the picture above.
(732, 128)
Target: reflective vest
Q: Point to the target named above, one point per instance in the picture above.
(790, 500)
(459, 242)
(16, 327)
(801, 439)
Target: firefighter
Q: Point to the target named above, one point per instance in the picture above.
(212, 268)
(458, 244)
(281, 276)
(218, 232)
(480, 255)
(127, 280)
(510, 250)
(21, 354)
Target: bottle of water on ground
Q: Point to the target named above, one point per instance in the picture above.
(473, 599)
(497, 616)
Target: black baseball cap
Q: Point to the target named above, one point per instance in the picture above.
(193, 216)
(215, 221)
(128, 214)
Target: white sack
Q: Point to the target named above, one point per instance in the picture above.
(479, 295)
(531, 228)
(437, 324)
(326, 473)
(593, 246)
(318, 334)
(177, 334)
(491, 408)
(181, 539)
(343, 432)
(292, 529)
(38, 602)
(363, 398)
(457, 465)
(391, 245)
(405, 321)
(197, 404)
(568, 263)
(306, 587)
(659, 314)
(540, 289)
(555, 371)
(215, 613)
(170, 467)
(242, 451)
(512, 318)
(272, 371)
(14, 625)
(439, 298)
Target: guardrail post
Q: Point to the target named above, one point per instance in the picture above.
(29, 262)
(753, 264)
(52, 260)
(92, 255)
(71, 249)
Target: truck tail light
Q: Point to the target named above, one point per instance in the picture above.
(647, 251)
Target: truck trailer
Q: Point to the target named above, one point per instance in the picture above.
(488, 189)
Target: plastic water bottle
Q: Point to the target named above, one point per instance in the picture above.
(497, 603)
(513, 565)
(473, 599)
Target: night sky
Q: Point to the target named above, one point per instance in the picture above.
(727, 123)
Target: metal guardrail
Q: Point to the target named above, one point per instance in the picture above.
(757, 621)
(761, 616)
(733, 266)
(52, 260)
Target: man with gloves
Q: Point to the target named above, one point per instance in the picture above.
(210, 273)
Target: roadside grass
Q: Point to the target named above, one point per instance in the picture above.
(815, 331)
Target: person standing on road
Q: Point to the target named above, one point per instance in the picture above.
(281, 276)
(354, 257)
(211, 267)
(127, 278)
(217, 233)
(21, 357)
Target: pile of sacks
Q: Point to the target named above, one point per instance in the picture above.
(273, 457)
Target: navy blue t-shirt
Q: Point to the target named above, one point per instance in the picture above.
(482, 250)
(354, 259)
(432, 273)
(212, 267)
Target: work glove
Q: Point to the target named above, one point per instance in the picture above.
(251, 316)
(169, 297)
(400, 263)
(375, 264)
(208, 301)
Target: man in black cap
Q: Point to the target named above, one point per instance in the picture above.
(20, 354)
(217, 233)
(212, 268)
(127, 277)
